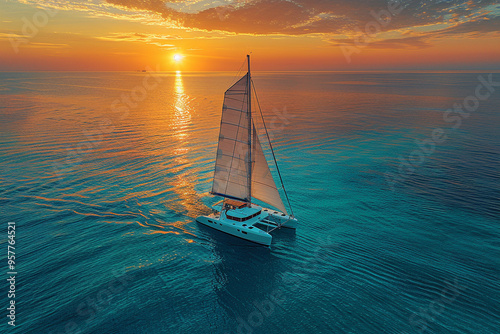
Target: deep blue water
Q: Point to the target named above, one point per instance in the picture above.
(105, 192)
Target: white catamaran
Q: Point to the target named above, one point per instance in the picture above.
(242, 172)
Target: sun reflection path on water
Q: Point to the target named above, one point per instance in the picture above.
(184, 181)
(169, 118)
(182, 112)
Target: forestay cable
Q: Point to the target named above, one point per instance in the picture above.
(272, 150)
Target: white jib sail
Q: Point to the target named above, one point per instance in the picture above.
(263, 185)
(233, 152)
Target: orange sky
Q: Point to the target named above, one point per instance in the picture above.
(116, 35)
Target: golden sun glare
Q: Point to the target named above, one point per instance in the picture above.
(178, 57)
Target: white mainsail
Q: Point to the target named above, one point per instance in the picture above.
(233, 152)
(263, 185)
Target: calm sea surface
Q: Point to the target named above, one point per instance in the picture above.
(398, 202)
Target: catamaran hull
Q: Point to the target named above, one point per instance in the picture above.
(288, 222)
(281, 219)
(255, 235)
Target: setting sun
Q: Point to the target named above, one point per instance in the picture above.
(178, 57)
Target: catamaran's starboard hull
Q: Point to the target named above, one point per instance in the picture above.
(282, 219)
(285, 222)
(236, 229)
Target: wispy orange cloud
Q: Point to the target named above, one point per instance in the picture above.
(296, 17)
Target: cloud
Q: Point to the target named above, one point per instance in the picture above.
(163, 41)
(304, 16)
(413, 42)
(155, 39)
(297, 17)
(477, 26)
(46, 45)
(139, 37)
(256, 17)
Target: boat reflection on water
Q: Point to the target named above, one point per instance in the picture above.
(247, 280)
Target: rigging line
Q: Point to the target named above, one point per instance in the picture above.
(235, 78)
(271, 146)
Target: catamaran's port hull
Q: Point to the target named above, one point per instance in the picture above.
(236, 229)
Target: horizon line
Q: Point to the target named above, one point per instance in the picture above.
(496, 70)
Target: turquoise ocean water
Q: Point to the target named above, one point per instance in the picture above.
(394, 177)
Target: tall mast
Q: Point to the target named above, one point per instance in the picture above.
(249, 132)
